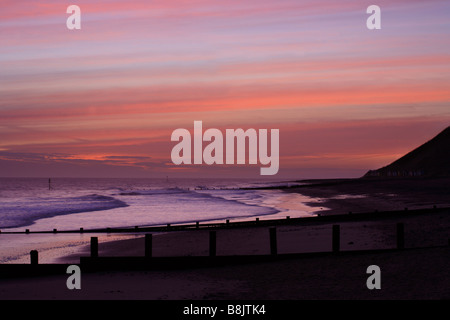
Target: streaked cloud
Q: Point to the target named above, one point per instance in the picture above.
(116, 89)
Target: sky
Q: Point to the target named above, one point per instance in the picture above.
(104, 100)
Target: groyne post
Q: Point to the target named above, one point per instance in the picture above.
(34, 257)
(148, 245)
(212, 243)
(336, 238)
(273, 241)
(94, 247)
(400, 235)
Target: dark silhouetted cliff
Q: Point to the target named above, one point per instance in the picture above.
(432, 159)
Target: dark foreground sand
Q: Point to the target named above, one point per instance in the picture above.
(421, 271)
(415, 274)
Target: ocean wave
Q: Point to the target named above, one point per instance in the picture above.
(191, 204)
(132, 202)
(153, 192)
(24, 212)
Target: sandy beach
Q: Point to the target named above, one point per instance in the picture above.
(418, 272)
(367, 195)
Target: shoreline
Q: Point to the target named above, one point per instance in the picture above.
(370, 194)
(418, 272)
(331, 197)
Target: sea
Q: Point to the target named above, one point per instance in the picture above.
(42, 204)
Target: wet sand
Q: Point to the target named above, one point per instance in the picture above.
(369, 194)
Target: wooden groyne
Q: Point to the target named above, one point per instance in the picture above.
(96, 262)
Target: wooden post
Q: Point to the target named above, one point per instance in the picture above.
(81, 230)
(148, 245)
(336, 238)
(34, 257)
(273, 241)
(257, 220)
(94, 247)
(400, 236)
(197, 225)
(212, 243)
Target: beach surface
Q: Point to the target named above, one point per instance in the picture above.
(341, 196)
(410, 274)
(420, 271)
